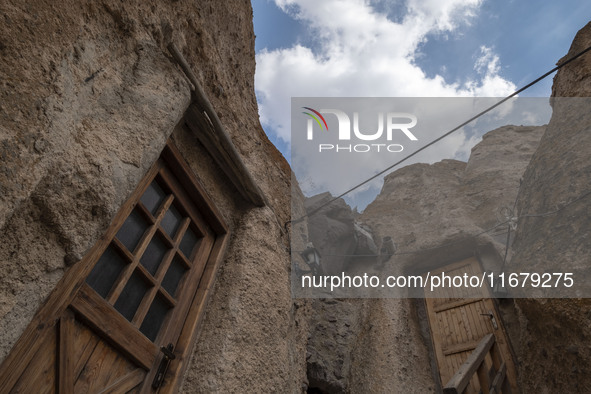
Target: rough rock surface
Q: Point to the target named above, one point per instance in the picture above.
(335, 233)
(423, 206)
(554, 334)
(391, 354)
(88, 97)
(332, 231)
(335, 330)
(376, 345)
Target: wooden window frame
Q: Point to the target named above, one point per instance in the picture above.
(72, 290)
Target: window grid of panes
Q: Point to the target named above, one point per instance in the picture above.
(143, 270)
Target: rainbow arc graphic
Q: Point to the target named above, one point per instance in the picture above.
(316, 117)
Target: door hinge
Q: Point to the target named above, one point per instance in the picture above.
(168, 355)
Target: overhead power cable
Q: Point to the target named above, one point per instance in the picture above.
(420, 250)
(538, 215)
(535, 81)
(508, 222)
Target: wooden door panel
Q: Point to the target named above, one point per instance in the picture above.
(459, 320)
(40, 374)
(81, 362)
(102, 365)
(129, 383)
(105, 319)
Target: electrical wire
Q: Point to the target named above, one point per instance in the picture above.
(545, 214)
(420, 250)
(506, 246)
(559, 66)
(537, 215)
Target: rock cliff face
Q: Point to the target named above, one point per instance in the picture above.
(88, 97)
(335, 233)
(374, 345)
(554, 336)
(424, 206)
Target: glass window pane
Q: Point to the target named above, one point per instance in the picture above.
(154, 254)
(154, 318)
(131, 296)
(106, 271)
(173, 276)
(188, 242)
(153, 197)
(171, 221)
(132, 230)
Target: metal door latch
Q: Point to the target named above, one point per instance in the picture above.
(492, 319)
(166, 358)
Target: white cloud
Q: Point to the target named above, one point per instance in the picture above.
(488, 62)
(359, 52)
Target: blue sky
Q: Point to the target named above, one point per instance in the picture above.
(404, 48)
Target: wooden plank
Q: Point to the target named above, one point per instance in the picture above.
(40, 374)
(198, 194)
(480, 327)
(448, 339)
(457, 332)
(87, 345)
(115, 327)
(181, 231)
(460, 347)
(461, 379)
(170, 333)
(145, 212)
(125, 383)
(105, 366)
(188, 334)
(84, 344)
(482, 373)
(496, 356)
(468, 324)
(454, 266)
(224, 153)
(66, 352)
(504, 346)
(187, 202)
(436, 330)
(144, 306)
(498, 361)
(212, 135)
(499, 379)
(461, 326)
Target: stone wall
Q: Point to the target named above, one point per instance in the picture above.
(89, 97)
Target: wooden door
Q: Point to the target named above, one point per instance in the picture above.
(459, 318)
(123, 320)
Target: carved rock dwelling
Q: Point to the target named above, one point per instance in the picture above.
(143, 237)
(120, 218)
